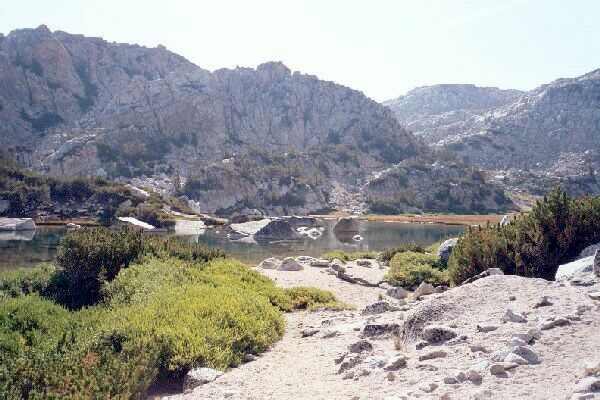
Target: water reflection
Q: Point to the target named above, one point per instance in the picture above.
(24, 250)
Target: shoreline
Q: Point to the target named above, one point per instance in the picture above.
(444, 219)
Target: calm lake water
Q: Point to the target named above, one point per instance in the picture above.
(30, 248)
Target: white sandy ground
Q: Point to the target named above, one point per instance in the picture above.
(299, 367)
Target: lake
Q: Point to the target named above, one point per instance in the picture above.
(30, 248)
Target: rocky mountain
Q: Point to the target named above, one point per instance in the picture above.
(550, 135)
(230, 139)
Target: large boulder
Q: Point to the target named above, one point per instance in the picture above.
(446, 248)
(290, 264)
(277, 229)
(347, 224)
(16, 224)
(189, 227)
(249, 228)
(567, 272)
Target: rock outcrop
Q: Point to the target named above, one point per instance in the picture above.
(230, 139)
(534, 139)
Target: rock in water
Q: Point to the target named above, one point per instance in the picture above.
(277, 229)
(347, 224)
(446, 248)
(198, 377)
(16, 224)
(290, 264)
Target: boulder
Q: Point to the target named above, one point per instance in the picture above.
(589, 384)
(395, 363)
(363, 262)
(319, 262)
(505, 220)
(437, 334)
(371, 330)
(347, 224)
(378, 308)
(433, 354)
(270, 263)
(198, 377)
(567, 272)
(589, 251)
(398, 293)
(249, 228)
(513, 316)
(310, 222)
(446, 248)
(189, 227)
(424, 289)
(290, 264)
(71, 225)
(16, 224)
(360, 347)
(277, 229)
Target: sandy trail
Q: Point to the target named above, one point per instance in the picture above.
(299, 367)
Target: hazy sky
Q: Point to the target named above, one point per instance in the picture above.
(382, 48)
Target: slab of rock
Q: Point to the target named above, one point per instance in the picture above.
(433, 354)
(566, 272)
(395, 363)
(424, 289)
(249, 228)
(277, 229)
(319, 262)
(290, 264)
(363, 262)
(16, 224)
(199, 376)
(270, 263)
(513, 316)
(189, 227)
(398, 293)
(378, 308)
(371, 330)
(437, 333)
(138, 193)
(446, 248)
(347, 224)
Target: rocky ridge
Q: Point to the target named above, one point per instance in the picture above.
(535, 139)
(230, 139)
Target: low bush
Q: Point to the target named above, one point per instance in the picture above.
(388, 254)
(343, 256)
(24, 281)
(534, 245)
(307, 298)
(410, 268)
(91, 257)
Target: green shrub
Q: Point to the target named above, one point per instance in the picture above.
(308, 298)
(555, 231)
(93, 256)
(343, 256)
(410, 268)
(24, 281)
(388, 254)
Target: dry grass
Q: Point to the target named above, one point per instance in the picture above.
(448, 219)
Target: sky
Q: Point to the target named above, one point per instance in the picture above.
(381, 47)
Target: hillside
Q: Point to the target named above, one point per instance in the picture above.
(536, 139)
(72, 105)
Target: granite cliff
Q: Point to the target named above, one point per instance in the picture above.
(230, 139)
(532, 140)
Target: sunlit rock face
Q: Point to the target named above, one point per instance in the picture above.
(230, 139)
